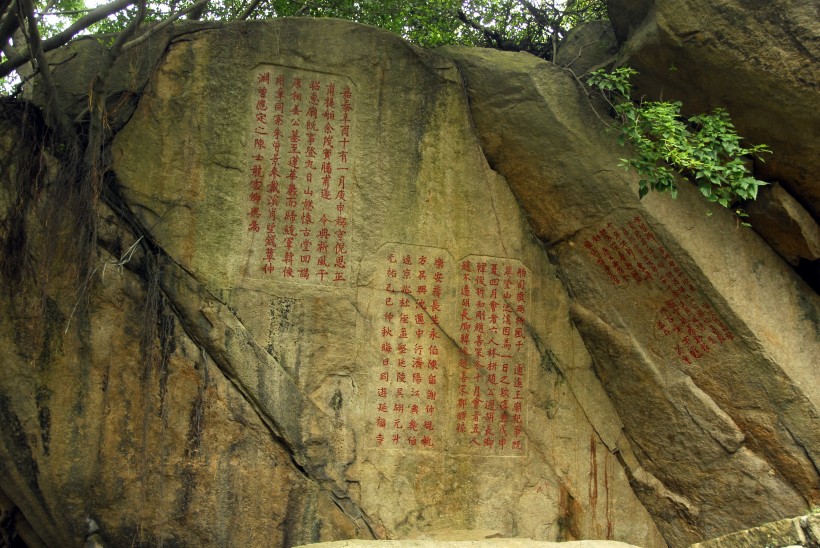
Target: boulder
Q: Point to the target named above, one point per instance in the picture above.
(785, 225)
(802, 531)
(716, 386)
(151, 444)
(75, 66)
(588, 47)
(492, 543)
(355, 332)
(346, 288)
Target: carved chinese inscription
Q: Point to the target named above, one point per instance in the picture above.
(492, 303)
(630, 254)
(451, 352)
(300, 175)
(409, 380)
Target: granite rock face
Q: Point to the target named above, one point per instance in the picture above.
(359, 333)
(802, 531)
(390, 292)
(785, 225)
(493, 543)
(717, 388)
(587, 48)
(387, 274)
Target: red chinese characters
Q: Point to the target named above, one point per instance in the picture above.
(493, 298)
(300, 175)
(631, 255)
(409, 383)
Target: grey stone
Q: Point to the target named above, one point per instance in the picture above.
(716, 386)
(785, 225)
(588, 47)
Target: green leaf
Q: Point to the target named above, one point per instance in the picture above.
(704, 148)
(643, 190)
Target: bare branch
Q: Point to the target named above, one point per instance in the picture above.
(304, 10)
(537, 14)
(584, 88)
(249, 10)
(98, 93)
(8, 25)
(551, 22)
(61, 38)
(124, 36)
(162, 24)
(53, 110)
(19, 86)
(94, 166)
(489, 34)
(50, 5)
(67, 12)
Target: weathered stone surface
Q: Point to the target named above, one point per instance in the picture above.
(758, 59)
(626, 15)
(415, 186)
(655, 398)
(491, 543)
(725, 433)
(785, 225)
(800, 531)
(588, 47)
(152, 450)
(75, 66)
(258, 420)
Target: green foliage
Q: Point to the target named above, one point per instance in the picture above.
(534, 26)
(528, 25)
(705, 148)
(427, 23)
(52, 19)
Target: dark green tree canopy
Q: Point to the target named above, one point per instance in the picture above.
(29, 28)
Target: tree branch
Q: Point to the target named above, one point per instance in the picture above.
(553, 25)
(98, 14)
(53, 110)
(537, 14)
(97, 124)
(98, 91)
(249, 10)
(305, 9)
(490, 35)
(124, 37)
(162, 24)
(584, 88)
(51, 4)
(8, 25)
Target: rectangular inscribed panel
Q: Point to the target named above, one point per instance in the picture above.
(493, 301)
(299, 180)
(408, 382)
(450, 354)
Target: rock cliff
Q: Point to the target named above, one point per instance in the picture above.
(350, 288)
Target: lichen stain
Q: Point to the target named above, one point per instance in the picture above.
(569, 516)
